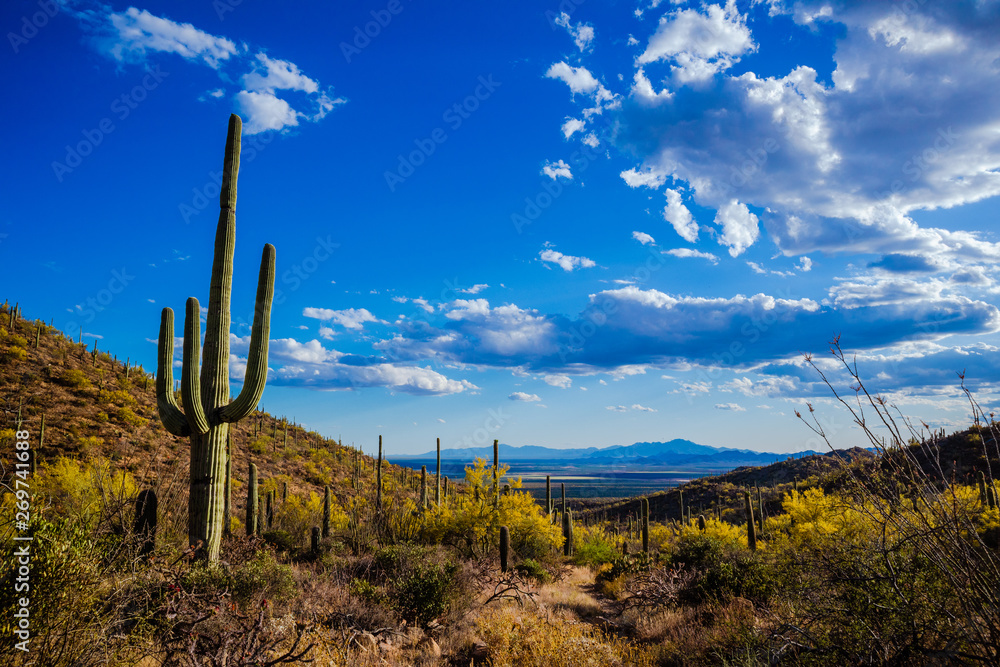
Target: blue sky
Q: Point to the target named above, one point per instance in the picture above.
(575, 224)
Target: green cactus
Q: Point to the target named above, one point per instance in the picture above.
(680, 496)
(496, 473)
(326, 511)
(378, 478)
(572, 549)
(423, 487)
(504, 548)
(269, 512)
(208, 411)
(226, 513)
(645, 525)
(437, 476)
(701, 522)
(144, 526)
(751, 525)
(252, 502)
(567, 526)
(284, 492)
(760, 508)
(548, 496)
(562, 488)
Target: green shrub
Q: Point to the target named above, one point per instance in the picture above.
(262, 577)
(75, 378)
(727, 570)
(367, 591)
(532, 569)
(280, 540)
(594, 548)
(424, 593)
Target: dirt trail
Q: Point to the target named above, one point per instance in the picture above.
(577, 596)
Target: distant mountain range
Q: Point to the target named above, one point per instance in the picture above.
(674, 452)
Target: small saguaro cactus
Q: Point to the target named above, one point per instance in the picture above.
(145, 521)
(252, 502)
(548, 496)
(645, 525)
(496, 473)
(504, 548)
(269, 512)
(680, 496)
(423, 487)
(326, 511)
(378, 478)
(208, 411)
(751, 525)
(701, 522)
(437, 475)
(567, 525)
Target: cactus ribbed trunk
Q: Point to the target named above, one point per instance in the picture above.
(252, 502)
(208, 411)
(378, 478)
(751, 524)
(423, 487)
(227, 511)
(566, 527)
(645, 525)
(437, 476)
(496, 473)
(548, 496)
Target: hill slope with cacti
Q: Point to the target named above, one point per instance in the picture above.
(84, 403)
(856, 557)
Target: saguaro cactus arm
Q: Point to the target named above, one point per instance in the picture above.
(173, 419)
(256, 373)
(190, 392)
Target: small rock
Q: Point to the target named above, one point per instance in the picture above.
(479, 650)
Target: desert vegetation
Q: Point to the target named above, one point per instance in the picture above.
(258, 543)
(884, 558)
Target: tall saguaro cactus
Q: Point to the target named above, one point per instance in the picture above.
(208, 411)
